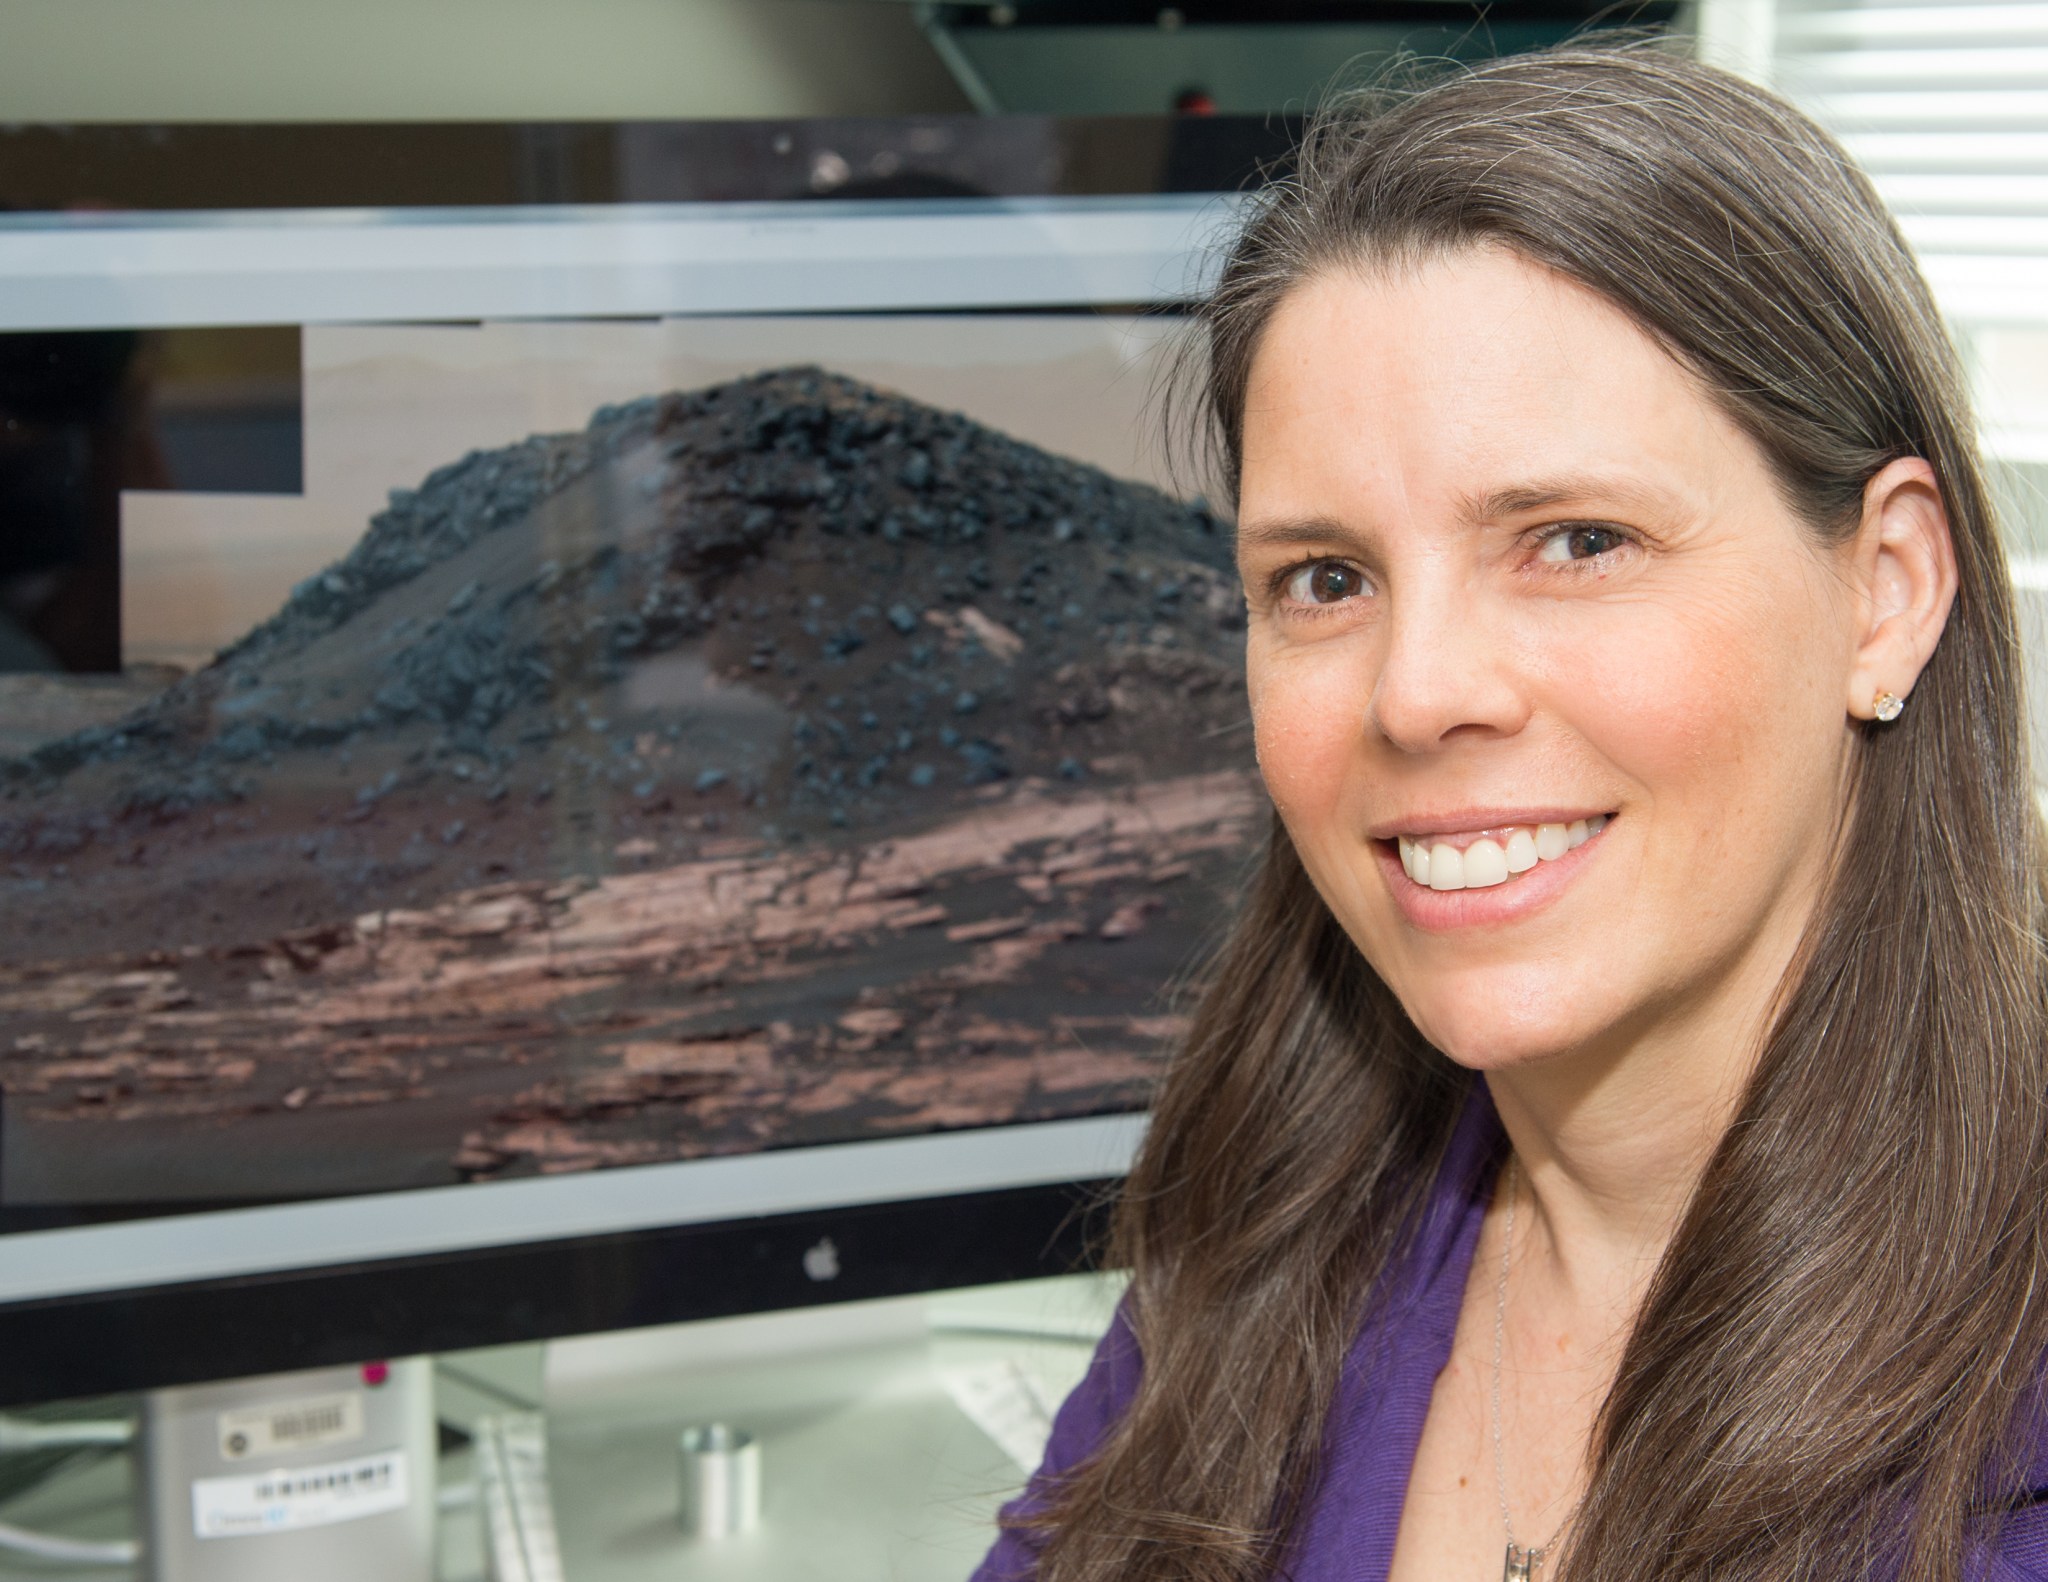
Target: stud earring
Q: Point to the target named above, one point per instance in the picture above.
(1887, 706)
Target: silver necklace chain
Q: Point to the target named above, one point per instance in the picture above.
(1522, 1564)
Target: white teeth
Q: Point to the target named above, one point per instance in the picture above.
(1487, 862)
(1485, 865)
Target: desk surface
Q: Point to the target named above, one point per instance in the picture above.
(869, 1468)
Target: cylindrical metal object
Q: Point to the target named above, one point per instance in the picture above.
(721, 1480)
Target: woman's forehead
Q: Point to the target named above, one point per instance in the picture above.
(1469, 375)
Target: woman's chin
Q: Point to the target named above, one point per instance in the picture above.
(1485, 1041)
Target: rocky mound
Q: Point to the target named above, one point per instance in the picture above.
(778, 607)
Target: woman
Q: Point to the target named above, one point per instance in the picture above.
(1612, 1145)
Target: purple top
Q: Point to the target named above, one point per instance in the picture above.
(1346, 1531)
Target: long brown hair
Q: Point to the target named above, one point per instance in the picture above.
(1827, 1369)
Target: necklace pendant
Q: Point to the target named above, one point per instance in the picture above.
(1523, 1565)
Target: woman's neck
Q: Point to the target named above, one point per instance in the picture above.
(1612, 1139)
(1611, 1149)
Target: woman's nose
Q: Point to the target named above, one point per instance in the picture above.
(1446, 671)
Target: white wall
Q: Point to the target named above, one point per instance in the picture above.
(271, 60)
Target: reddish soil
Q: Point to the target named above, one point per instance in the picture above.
(776, 764)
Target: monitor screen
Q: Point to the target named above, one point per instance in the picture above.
(729, 716)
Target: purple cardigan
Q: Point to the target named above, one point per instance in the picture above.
(1346, 1533)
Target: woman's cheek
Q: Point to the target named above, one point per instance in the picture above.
(1701, 701)
(1304, 732)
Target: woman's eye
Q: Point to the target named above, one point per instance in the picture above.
(1325, 582)
(1584, 541)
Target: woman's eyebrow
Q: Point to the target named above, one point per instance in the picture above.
(1475, 509)
(1282, 532)
(1566, 489)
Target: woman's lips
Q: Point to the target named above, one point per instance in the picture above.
(1478, 859)
(1515, 893)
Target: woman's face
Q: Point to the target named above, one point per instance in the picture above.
(1508, 570)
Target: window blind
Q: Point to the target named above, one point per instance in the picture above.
(1945, 103)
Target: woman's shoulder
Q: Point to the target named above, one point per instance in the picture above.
(1093, 1408)
(1084, 1421)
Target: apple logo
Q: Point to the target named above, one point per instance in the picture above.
(822, 1261)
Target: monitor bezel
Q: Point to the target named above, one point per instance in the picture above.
(132, 1337)
(117, 1341)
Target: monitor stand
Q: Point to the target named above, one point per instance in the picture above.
(322, 1476)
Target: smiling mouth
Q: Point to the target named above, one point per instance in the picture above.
(1497, 857)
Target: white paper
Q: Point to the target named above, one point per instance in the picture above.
(286, 1499)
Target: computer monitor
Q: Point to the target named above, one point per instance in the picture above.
(604, 724)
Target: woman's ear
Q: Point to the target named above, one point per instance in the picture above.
(1905, 578)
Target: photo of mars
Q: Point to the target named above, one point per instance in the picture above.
(775, 760)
